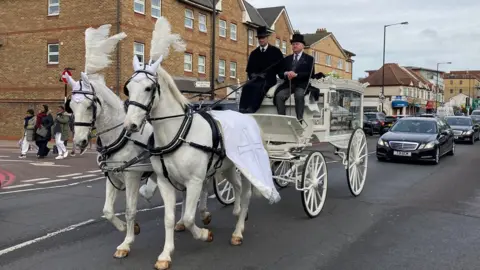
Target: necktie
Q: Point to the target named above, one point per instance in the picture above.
(295, 60)
(262, 49)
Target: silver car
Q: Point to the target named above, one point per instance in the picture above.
(476, 116)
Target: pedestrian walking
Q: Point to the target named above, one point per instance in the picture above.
(28, 132)
(43, 131)
(60, 131)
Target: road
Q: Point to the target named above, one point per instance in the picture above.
(409, 216)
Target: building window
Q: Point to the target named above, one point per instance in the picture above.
(233, 31)
(317, 57)
(233, 70)
(328, 60)
(202, 23)
(221, 68)
(156, 8)
(188, 18)
(139, 6)
(460, 91)
(250, 37)
(340, 64)
(222, 25)
(277, 43)
(139, 51)
(461, 82)
(201, 64)
(451, 81)
(347, 66)
(187, 62)
(284, 47)
(53, 53)
(53, 7)
(451, 91)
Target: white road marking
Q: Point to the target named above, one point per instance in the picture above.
(34, 180)
(68, 175)
(48, 164)
(212, 196)
(4, 156)
(96, 171)
(53, 187)
(49, 235)
(84, 176)
(53, 181)
(17, 186)
(14, 160)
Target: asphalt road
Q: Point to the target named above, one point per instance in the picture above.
(409, 216)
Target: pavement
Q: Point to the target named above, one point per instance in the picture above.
(409, 216)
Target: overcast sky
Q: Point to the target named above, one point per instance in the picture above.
(438, 30)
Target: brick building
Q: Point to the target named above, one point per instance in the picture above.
(462, 82)
(38, 40)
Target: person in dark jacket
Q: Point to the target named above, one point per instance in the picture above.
(263, 65)
(43, 131)
(28, 132)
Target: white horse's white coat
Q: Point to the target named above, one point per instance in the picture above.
(187, 165)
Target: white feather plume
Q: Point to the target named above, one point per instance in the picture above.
(162, 39)
(98, 47)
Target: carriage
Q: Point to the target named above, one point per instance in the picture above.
(335, 118)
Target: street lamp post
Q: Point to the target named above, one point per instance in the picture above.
(436, 90)
(383, 66)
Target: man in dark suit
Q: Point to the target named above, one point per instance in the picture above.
(262, 68)
(298, 68)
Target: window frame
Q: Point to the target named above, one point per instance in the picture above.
(204, 64)
(156, 7)
(53, 5)
(200, 23)
(328, 60)
(250, 37)
(347, 66)
(49, 53)
(233, 34)
(234, 76)
(340, 63)
(140, 2)
(186, 63)
(186, 18)
(137, 53)
(284, 47)
(220, 68)
(220, 28)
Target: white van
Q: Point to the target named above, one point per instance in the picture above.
(444, 111)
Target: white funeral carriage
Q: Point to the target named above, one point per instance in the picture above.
(336, 118)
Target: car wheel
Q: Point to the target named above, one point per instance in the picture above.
(452, 152)
(437, 156)
(472, 140)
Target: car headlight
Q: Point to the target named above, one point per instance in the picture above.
(382, 142)
(469, 132)
(429, 145)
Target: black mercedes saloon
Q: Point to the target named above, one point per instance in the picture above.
(417, 138)
(464, 129)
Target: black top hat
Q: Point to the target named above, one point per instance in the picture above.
(297, 38)
(262, 32)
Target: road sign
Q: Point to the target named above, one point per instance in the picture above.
(202, 84)
(64, 77)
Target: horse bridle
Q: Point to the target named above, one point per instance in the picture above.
(155, 87)
(94, 101)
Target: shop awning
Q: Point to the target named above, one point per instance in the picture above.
(399, 103)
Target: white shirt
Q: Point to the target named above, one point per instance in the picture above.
(298, 59)
(263, 48)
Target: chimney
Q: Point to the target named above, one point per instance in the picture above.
(321, 30)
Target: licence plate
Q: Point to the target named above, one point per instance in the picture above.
(403, 154)
(455, 137)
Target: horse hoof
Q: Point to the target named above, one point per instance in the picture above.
(162, 265)
(210, 236)
(120, 254)
(207, 220)
(179, 228)
(236, 241)
(136, 229)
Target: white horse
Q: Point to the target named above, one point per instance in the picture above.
(94, 104)
(184, 142)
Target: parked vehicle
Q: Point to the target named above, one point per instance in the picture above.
(464, 129)
(373, 122)
(417, 138)
(389, 122)
(475, 116)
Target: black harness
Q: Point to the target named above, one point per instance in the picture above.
(180, 138)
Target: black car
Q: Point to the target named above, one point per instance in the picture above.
(417, 138)
(373, 122)
(464, 129)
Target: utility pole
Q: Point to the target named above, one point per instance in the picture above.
(437, 86)
(212, 54)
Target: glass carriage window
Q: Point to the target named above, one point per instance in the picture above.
(201, 64)
(202, 23)
(221, 68)
(156, 8)
(187, 62)
(222, 26)
(53, 7)
(139, 6)
(345, 112)
(53, 53)
(233, 70)
(188, 18)
(139, 51)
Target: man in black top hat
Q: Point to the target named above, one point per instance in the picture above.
(298, 68)
(263, 66)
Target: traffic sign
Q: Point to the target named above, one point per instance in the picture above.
(64, 77)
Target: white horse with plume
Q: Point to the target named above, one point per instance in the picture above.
(94, 104)
(185, 143)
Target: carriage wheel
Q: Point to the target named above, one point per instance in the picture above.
(223, 191)
(357, 160)
(280, 168)
(314, 182)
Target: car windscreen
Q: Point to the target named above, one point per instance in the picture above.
(371, 116)
(457, 121)
(415, 126)
(476, 113)
(390, 118)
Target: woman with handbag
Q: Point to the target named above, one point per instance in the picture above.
(28, 132)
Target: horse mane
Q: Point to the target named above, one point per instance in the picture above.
(109, 97)
(165, 80)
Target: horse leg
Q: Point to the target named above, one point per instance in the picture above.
(237, 237)
(234, 179)
(131, 190)
(108, 210)
(193, 193)
(167, 191)
(179, 227)
(202, 205)
(148, 190)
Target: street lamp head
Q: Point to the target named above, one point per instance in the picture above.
(449, 62)
(404, 23)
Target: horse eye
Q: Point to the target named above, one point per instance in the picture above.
(148, 89)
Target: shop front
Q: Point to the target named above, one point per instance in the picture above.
(399, 105)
